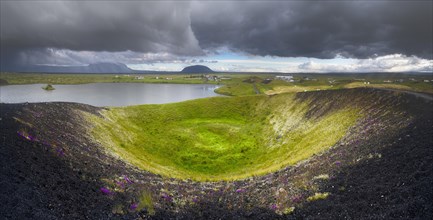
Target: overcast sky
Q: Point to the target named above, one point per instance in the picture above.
(283, 36)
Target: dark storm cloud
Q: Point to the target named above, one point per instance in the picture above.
(316, 29)
(96, 26)
(57, 31)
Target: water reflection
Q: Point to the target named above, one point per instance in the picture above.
(107, 94)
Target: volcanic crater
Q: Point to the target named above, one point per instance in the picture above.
(351, 153)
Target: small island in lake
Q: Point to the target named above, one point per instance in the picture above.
(48, 87)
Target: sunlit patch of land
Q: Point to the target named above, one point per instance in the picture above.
(220, 138)
(378, 85)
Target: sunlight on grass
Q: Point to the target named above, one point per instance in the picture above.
(318, 196)
(380, 85)
(219, 138)
(293, 88)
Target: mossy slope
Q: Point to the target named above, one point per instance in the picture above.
(221, 138)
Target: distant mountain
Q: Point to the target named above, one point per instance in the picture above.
(91, 68)
(197, 69)
(116, 68)
(108, 68)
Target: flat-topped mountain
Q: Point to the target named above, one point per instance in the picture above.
(197, 69)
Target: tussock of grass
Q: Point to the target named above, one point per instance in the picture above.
(219, 138)
(318, 196)
(289, 210)
(321, 177)
(145, 201)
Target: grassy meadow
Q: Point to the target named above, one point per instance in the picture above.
(239, 84)
(250, 84)
(44, 78)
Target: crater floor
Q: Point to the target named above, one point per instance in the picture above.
(222, 138)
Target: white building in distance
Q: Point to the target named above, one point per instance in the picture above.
(286, 78)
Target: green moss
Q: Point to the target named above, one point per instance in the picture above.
(219, 138)
(289, 210)
(318, 196)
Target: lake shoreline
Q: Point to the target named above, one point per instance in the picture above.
(107, 94)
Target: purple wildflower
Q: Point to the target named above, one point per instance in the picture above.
(133, 206)
(127, 179)
(105, 191)
(20, 134)
(240, 190)
(274, 206)
(167, 197)
(338, 163)
(60, 151)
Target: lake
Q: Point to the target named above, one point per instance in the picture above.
(107, 94)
